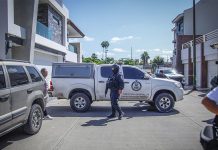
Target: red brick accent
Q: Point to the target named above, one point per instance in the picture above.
(190, 68)
(204, 68)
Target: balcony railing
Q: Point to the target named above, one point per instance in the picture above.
(202, 39)
(43, 30)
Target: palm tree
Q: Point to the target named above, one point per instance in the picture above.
(104, 45)
(158, 60)
(94, 56)
(145, 57)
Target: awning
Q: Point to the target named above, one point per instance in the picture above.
(73, 31)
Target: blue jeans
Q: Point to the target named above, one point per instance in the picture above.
(114, 102)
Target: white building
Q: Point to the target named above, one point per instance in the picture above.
(37, 31)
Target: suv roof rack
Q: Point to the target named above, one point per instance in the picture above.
(15, 60)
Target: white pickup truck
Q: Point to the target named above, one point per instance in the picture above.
(84, 83)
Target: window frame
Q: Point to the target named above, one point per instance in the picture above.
(132, 68)
(9, 80)
(29, 76)
(54, 67)
(105, 67)
(5, 77)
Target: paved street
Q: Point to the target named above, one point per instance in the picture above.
(141, 128)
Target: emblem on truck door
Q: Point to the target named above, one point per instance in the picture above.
(136, 86)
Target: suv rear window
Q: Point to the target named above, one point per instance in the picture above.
(2, 79)
(72, 71)
(34, 74)
(106, 71)
(17, 75)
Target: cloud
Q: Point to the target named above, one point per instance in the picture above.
(118, 39)
(89, 39)
(167, 51)
(119, 50)
(156, 50)
(140, 50)
(109, 54)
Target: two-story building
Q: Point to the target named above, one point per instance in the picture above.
(38, 31)
(206, 24)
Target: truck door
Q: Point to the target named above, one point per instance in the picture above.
(5, 103)
(103, 72)
(136, 87)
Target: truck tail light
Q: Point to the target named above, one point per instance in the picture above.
(51, 86)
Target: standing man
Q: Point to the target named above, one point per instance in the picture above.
(44, 72)
(116, 85)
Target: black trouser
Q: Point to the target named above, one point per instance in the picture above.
(114, 102)
(216, 120)
(45, 112)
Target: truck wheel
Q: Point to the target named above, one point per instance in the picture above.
(34, 121)
(80, 102)
(164, 102)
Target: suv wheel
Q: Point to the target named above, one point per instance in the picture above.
(34, 122)
(164, 102)
(80, 102)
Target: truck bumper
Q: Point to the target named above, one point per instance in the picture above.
(179, 94)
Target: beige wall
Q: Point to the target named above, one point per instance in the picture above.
(206, 17)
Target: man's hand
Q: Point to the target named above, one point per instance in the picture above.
(120, 92)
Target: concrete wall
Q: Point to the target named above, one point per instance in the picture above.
(3, 26)
(206, 17)
(26, 16)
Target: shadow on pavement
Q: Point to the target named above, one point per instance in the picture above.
(100, 122)
(12, 137)
(137, 110)
(209, 121)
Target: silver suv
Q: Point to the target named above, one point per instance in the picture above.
(23, 97)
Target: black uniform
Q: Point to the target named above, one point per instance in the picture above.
(115, 83)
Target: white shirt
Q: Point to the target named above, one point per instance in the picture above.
(213, 95)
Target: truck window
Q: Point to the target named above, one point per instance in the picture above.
(106, 71)
(2, 79)
(34, 74)
(68, 71)
(132, 73)
(17, 75)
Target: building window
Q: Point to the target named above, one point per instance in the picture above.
(56, 20)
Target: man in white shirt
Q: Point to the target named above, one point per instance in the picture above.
(211, 103)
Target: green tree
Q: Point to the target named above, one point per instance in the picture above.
(94, 56)
(104, 45)
(158, 60)
(110, 60)
(145, 57)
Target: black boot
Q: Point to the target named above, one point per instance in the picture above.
(121, 116)
(111, 116)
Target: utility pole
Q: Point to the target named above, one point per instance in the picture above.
(194, 47)
(131, 53)
(106, 55)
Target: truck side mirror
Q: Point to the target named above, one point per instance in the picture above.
(146, 77)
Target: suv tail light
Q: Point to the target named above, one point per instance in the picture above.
(51, 86)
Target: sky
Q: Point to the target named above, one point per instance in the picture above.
(144, 25)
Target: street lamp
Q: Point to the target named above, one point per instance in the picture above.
(194, 47)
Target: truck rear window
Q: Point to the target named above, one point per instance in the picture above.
(68, 71)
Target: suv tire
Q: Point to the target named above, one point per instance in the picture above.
(34, 121)
(164, 102)
(80, 102)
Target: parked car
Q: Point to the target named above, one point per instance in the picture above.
(84, 83)
(171, 74)
(22, 97)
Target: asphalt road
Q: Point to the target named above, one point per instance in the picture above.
(141, 128)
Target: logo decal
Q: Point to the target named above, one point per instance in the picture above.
(136, 86)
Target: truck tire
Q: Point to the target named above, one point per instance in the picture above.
(34, 121)
(164, 102)
(80, 102)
